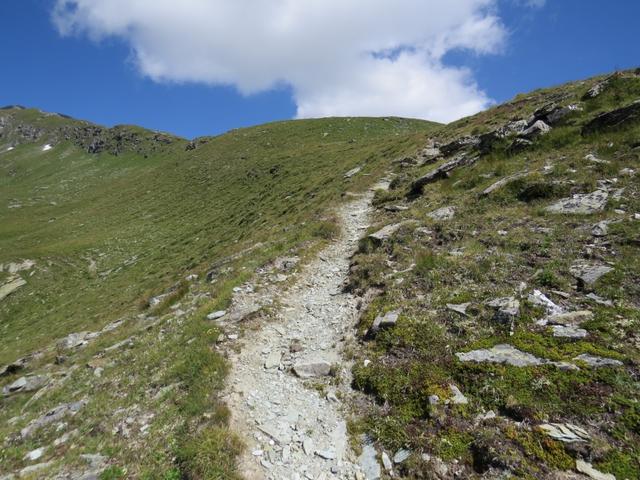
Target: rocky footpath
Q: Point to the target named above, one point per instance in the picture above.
(289, 379)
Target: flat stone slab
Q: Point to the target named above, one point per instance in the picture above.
(589, 273)
(386, 233)
(8, 288)
(565, 432)
(216, 315)
(369, 463)
(564, 331)
(313, 369)
(26, 384)
(460, 308)
(505, 353)
(596, 361)
(581, 204)
(589, 471)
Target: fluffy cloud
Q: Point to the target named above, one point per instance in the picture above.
(339, 57)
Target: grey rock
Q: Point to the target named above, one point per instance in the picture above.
(396, 208)
(569, 331)
(458, 398)
(273, 360)
(614, 119)
(589, 471)
(369, 463)
(13, 367)
(560, 113)
(34, 454)
(386, 233)
(434, 399)
(590, 157)
(600, 229)
(352, 172)
(502, 353)
(507, 309)
(538, 128)
(519, 144)
(94, 460)
(460, 308)
(599, 300)
(326, 454)
(26, 384)
(596, 361)
(313, 369)
(502, 182)
(216, 315)
(10, 287)
(386, 462)
(51, 416)
(540, 299)
(565, 432)
(460, 144)
(33, 469)
(570, 318)
(307, 446)
(510, 355)
(387, 320)
(588, 273)
(444, 213)
(76, 340)
(401, 455)
(440, 173)
(581, 204)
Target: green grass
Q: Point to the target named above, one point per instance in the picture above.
(110, 232)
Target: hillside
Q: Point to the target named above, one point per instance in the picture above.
(503, 338)
(104, 233)
(337, 298)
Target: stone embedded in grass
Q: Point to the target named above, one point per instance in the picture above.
(460, 308)
(570, 318)
(565, 432)
(352, 172)
(614, 119)
(570, 331)
(34, 454)
(312, 369)
(51, 416)
(505, 353)
(502, 182)
(29, 383)
(10, 287)
(76, 340)
(593, 159)
(507, 309)
(401, 455)
(600, 229)
(596, 361)
(385, 233)
(444, 213)
(216, 315)
(540, 299)
(588, 273)
(13, 367)
(538, 128)
(387, 320)
(581, 204)
(458, 397)
(588, 470)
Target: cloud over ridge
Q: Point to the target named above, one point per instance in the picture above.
(339, 57)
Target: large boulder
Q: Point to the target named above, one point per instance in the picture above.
(614, 119)
(440, 173)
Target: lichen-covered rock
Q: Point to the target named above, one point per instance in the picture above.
(581, 204)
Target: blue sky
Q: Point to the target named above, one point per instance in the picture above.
(137, 78)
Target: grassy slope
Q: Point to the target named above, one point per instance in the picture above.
(416, 358)
(107, 232)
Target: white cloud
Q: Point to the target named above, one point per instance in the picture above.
(340, 57)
